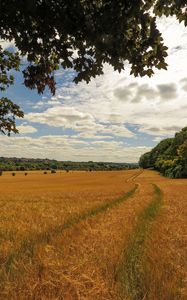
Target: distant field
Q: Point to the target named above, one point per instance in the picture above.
(93, 235)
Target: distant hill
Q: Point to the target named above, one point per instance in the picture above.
(169, 157)
(22, 164)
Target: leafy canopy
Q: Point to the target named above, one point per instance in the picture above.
(83, 35)
(169, 156)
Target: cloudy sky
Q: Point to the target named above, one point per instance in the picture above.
(116, 117)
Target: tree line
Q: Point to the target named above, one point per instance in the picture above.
(169, 157)
(25, 164)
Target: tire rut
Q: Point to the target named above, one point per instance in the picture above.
(130, 273)
(28, 245)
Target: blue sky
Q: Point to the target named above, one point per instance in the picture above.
(115, 117)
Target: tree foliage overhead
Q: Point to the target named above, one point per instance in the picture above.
(83, 35)
(8, 112)
(169, 156)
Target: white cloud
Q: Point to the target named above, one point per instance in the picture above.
(167, 91)
(60, 116)
(102, 110)
(155, 104)
(184, 84)
(117, 130)
(70, 117)
(7, 44)
(160, 131)
(23, 129)
(88, 135)
(158, 139)
(68, 148)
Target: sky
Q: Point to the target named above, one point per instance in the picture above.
(116, 117)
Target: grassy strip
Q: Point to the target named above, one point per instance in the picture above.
(131, 272)
(28, 245)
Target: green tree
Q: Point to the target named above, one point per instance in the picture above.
(99, 31)
(169, 156)
(8, 110)
(154, 158)
(144, 161)
(182, 153)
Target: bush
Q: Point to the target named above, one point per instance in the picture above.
(26, 174)
(53, 171)
(13, 174)
(1, 173)
(45, 172)
(67, 171)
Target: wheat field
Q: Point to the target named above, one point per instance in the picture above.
(93, 235)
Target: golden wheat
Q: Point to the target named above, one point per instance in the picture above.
(64, 235)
